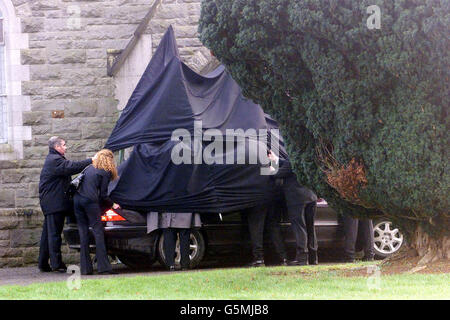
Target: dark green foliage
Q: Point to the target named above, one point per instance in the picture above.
(379, 96)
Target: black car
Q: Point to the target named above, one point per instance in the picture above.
(221, 235)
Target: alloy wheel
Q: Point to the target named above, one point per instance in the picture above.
(387, 240)
(193, 248)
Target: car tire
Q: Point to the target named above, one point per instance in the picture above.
(137, 261)
(387, 239)
(197, 250)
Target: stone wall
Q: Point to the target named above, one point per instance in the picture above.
(20, 233)
(183, 15)
(72, 96)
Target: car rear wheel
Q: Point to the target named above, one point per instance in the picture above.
(137, 261)
(387, 239)
(196, 250)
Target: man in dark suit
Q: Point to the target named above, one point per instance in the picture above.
(301, 205)
(55, 204)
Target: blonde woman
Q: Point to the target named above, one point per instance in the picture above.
(90, 201)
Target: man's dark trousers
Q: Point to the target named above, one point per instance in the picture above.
(310, 213)
(301, 205)
(50, 246)
(353, 227)
(170, 240)
(273, 227)
(301, 217)
(256, 217)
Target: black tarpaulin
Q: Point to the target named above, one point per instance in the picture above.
(172, 96)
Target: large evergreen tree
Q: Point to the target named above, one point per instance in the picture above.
(364, 110)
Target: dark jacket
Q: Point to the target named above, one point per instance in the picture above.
(284, 170)
(95, 186)
(294, 193)
(54, 182)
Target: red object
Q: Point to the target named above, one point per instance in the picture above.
(111, 215)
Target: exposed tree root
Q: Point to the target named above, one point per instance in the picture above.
(430, 249)
(427, 248)
(405, 252)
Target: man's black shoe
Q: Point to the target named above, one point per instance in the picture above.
(108, 272)
(297, 263)
(312, 259)
(257, 263)
(45, 269)
(348, 260)
(87, 273)
(368, 258)
(185, 268)
(61, 269)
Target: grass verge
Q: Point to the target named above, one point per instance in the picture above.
(309, 282)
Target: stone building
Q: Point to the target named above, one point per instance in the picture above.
(67, 68)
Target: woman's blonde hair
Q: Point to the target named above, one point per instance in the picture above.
(104, 159)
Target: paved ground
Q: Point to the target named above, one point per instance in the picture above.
(29, 275)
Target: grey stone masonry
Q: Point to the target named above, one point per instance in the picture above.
(20, 233)
(66, 55)
(183, 16)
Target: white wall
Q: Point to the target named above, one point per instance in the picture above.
(131, 71)
(15, 74)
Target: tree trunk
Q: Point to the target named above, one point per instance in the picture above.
(430, 249)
